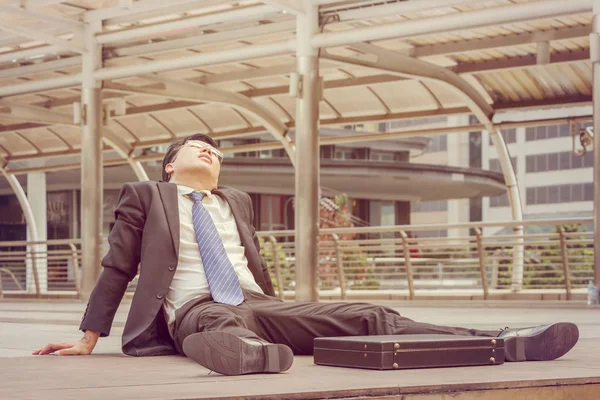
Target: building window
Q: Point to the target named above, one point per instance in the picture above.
(224, 144)
(59, 214)
(431, 234)
(509, 135)
(560, 193)
(355, 128)
(576, 192)
(551, 131)
(430, 206)
(438, 143)
(377, 155)
(500, 201)
(265, 154)
(388, 214)
(344, 154)
(557, 161)
(272, 213)
(404, 123)
(12, 221)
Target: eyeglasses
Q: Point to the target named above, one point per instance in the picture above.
(202, 145)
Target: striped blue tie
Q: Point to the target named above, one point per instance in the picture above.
(222, 279)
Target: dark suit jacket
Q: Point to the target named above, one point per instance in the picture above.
(146, 233)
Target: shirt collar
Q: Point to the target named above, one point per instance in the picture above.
(185, 190)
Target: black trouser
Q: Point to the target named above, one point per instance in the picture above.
(296, 324)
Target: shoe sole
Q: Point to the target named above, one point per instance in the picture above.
(549, 344)
(227, 354)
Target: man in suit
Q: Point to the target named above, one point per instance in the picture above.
(204, 291)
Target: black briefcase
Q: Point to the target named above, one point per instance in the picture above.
(408, 351)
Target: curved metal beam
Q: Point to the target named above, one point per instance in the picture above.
(43, 115)
(125, 150)
(29, 113)
(27, 212)
(184, 90)
(392, 62)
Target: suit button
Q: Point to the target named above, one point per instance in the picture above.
(160, 295)
(172, 267)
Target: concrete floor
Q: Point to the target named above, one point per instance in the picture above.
(27, 325)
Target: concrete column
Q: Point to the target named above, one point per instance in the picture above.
(91, 163)
(595, 56)
(521, 164)
(307, 156)
(485, 164)
(37, 196)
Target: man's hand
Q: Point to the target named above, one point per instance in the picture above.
(84, 346)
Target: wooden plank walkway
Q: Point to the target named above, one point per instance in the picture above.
(26, 325)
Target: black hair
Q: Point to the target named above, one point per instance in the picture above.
(174, 148)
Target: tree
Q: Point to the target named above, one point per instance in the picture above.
(357, 271)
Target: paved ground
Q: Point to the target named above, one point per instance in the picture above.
(27, 325)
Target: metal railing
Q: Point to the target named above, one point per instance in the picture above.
(365, 261)
(37, 268)
(395, 259)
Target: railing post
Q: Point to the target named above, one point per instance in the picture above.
(407, 266)
(75, 268)
(340, 265)
(495, 266)
(565, 261)
(278, 277)
(36, 279)
(482, 268)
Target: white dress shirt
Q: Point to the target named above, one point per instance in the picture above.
(189, 281)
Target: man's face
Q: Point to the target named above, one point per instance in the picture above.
(196, 157)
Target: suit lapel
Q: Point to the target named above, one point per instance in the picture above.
(238, 212)
(168, 195)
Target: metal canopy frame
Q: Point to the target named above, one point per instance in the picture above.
(182, 90)
(407, 66)
(104, 40)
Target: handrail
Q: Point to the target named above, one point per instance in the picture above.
(339, 261)
(565, 261)
(378, 258)
(427, 227)
(34, 269)
(52, 242)
(407, 265)
(482, 269)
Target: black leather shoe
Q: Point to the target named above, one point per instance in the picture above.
(228, 354)
(539, 343)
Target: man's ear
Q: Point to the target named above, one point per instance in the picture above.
(169, 168)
